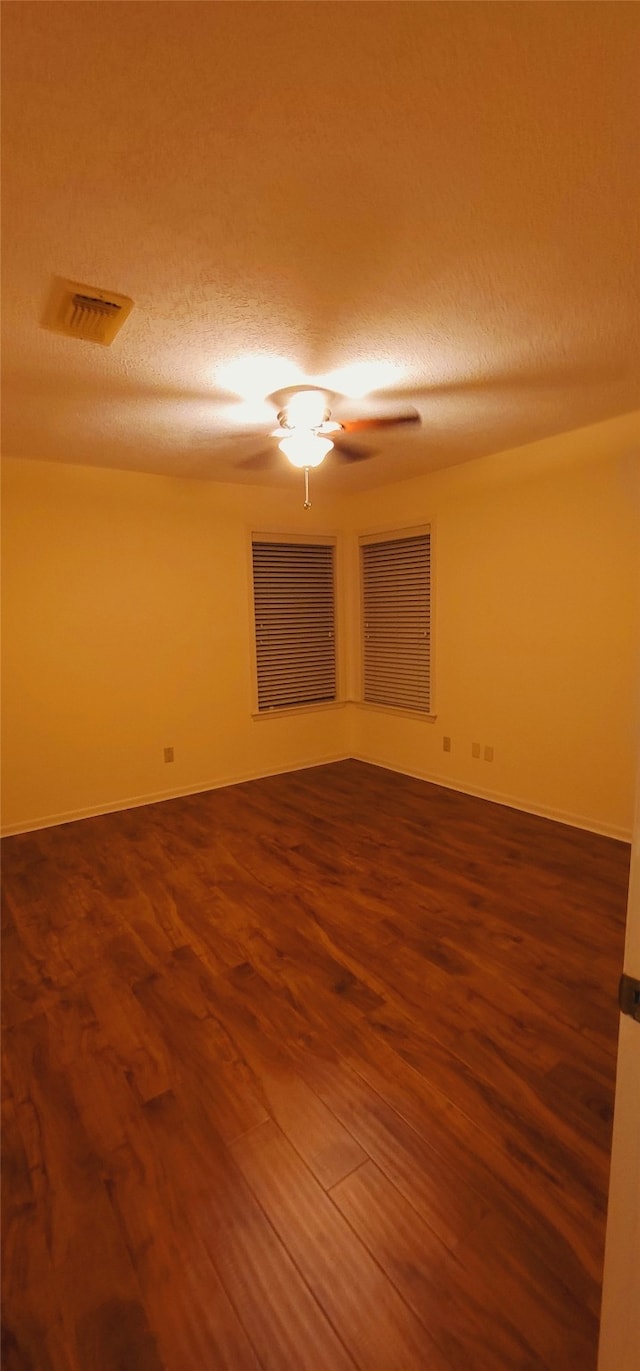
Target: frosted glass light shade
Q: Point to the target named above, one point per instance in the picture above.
(305, 449)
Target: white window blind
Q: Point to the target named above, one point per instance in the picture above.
(293, 591)
(396, 602)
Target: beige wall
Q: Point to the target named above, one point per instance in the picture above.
(537, 581)
(126, 628)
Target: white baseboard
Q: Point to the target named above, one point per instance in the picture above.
(157, 796)
(560, 816)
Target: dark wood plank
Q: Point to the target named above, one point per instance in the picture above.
(521, 1321)
(439, 1190)
(203, 1054)
(326, 1146)
(91, 1281)
(32, 1332)
(505, 1181)
(185, 1173)
(141, 1052)
(362, 1304)
(102, 1089)
(25, 991)
(196, 1324)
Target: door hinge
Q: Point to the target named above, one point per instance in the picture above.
(629, 996)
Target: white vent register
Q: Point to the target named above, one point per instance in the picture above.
(85, 312)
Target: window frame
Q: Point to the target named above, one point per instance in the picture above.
(388, 535)
(295, 538)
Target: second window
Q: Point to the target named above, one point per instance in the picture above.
(396, 619)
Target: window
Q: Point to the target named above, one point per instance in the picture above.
(293, 592)
(396, 618)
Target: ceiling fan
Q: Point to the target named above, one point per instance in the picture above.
(307, 430)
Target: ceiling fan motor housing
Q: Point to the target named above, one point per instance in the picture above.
(283, 420)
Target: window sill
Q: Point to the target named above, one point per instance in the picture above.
(279, 711)
(396, 709)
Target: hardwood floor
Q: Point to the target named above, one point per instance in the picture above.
(310, 1074)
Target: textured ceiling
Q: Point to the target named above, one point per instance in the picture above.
(451, 188)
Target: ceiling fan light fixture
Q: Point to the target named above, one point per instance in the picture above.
(305, 449)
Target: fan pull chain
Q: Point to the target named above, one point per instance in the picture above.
(307, 502)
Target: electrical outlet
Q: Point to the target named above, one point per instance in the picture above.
(446, 744)
(475, 749)
(168, 754)
(488, 754)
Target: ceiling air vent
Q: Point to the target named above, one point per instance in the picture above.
(95, 316)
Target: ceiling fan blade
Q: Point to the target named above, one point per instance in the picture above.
(350, 453)
(410, 416)
(563, 376)
(260, 461)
